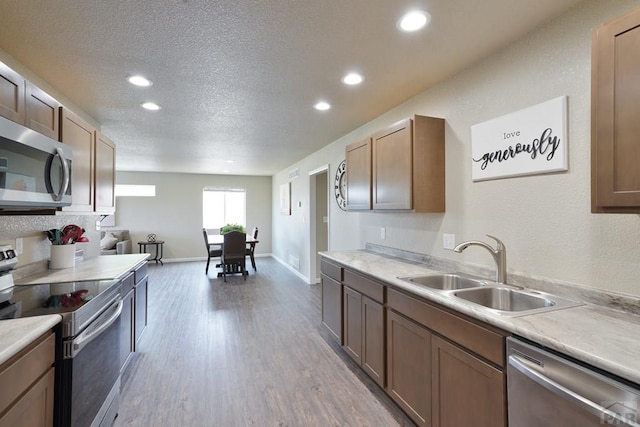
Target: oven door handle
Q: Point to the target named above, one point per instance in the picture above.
(88, 336)
(570, 395)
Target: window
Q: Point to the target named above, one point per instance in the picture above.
(221, 206)
(126, 190)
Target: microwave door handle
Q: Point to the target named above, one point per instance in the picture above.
(568, 394)
(82, 340)
(66, 176)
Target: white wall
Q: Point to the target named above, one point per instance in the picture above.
(175, 214)
(544, 220)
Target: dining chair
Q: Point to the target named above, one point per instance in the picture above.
(251, 247)
(234, 251)
(213, 251)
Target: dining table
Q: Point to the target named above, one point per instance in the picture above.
(218, 240)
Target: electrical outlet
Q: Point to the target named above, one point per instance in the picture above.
(97, 225)
(383, 233)
(19, 245)
(448, 241)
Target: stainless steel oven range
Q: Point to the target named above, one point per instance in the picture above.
(87, 347)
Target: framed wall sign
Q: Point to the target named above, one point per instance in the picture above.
(527, 142)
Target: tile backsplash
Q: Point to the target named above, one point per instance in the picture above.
(36, 246)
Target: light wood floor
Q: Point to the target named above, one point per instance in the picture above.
(243, 354)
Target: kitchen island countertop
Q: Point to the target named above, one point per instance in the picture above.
(602, 337)
(104, 267)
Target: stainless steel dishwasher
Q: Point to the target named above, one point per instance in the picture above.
(547, 390)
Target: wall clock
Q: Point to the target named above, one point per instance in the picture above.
(340, 186)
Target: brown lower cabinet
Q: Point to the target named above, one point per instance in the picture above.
(466, 391)
(363, 320)
(141, 289)
(409, 367)
(444, 369)
(127, 321)
(331, 282)
(133, 319)
(29, 400)
(441, 367)
(332, 307)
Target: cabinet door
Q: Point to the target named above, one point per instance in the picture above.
(409, 367)
(615, 149)
(353, 323)
(358, 160)
(141, 294)
(466, 391)
(105, 179)
(127, 328)
(80, 136)
(332, 306)
(42, 112)
(373, 340)
(393, 167)
(35, 407)
(12, 87)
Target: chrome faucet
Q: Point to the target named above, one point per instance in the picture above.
(499, 255)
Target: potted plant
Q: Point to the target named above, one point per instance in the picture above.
(232, 227)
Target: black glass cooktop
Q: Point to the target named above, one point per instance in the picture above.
(58, 298)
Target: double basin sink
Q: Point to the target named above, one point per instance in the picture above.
(496, 297)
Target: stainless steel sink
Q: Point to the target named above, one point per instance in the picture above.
(445, 282)
(514, 301)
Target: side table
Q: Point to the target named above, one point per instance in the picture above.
(159, 244)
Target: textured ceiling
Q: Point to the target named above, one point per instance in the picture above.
(237, 79)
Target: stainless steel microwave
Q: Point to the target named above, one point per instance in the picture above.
(35, 170)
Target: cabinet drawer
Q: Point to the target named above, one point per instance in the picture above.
(364, 285)
(141, 273)
(487, 343)
(25, 368)
(331, 270)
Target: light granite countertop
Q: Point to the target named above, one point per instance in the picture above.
(600, 336)
(103, 267)
(16, 334)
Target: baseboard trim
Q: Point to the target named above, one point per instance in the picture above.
(293, 270)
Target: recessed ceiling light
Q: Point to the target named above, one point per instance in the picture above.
(230, 161)
(151, 106)
(414, 20)
(139, 81)
(322, 106)
(352, 79)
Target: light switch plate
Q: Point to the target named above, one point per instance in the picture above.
(19, 246)
(383, 233)
(448, 241)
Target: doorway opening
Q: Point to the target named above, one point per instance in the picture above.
(319, 219)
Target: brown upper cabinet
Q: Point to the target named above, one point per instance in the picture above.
(93, 165)
(23, 102)
(105, 176)
(407, 164)
(42, 112)
(80, 136)
(358, 160)
(12, 89)
(615, 90)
